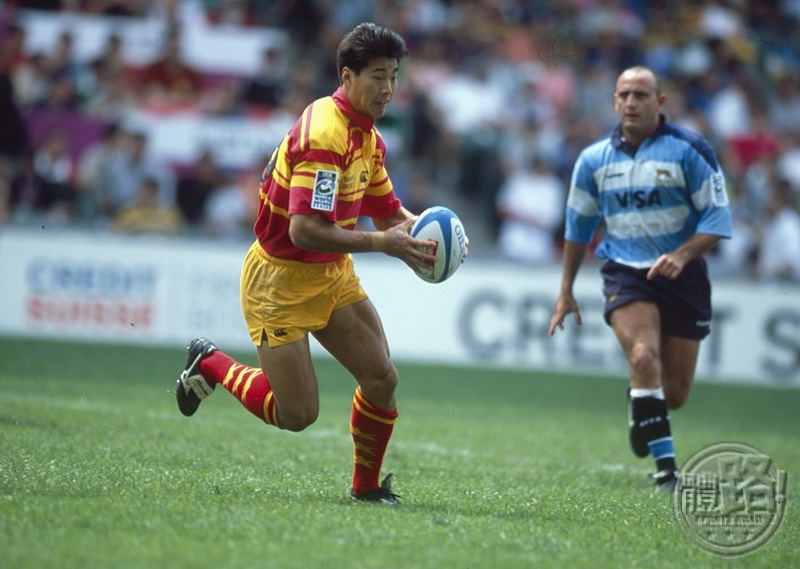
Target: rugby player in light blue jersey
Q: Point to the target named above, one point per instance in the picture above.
(660, 195)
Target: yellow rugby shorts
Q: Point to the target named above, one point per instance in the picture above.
(284, 300)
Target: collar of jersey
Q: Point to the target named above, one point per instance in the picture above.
(364, 122)
(617, 141)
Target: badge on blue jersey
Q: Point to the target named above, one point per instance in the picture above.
(719, 197)
(324, 195)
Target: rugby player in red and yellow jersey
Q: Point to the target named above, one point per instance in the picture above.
(298, 275)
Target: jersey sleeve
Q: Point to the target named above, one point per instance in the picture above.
(313, 184)
(583, 204)
(709, 193)
(317, 162)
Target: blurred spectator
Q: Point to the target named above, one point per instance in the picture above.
(729, 110)
(31, 81)
(127, 170)
(266, 87)
(110, 64)
(61, 61)
(416, 195)
(170, 81)
(736, 256)
(54, 166)
(302, 19)
(659, 43)
(531, 208)
(228, 214)
(195, 187)
(112, 98)
(115, 7)
(719, 20)
(751, 145)
(610, 30)
(146, 215)
(12, 48)
(231, 209)
(110, 94)
(60, 96)
(95, 175)
(425, 133)
(26, 191)
(528, 138)
(784, 109)
(13, 136)
(598, 84)
(51, 5)
(752, 197)
(230, 13)
(789, 160)
(5, 190)
(779, 253)
(59, 93)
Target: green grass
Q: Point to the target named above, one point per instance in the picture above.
(497, 469)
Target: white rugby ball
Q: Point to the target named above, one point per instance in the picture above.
(441, 225)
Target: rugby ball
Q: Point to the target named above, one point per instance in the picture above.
(440, 225)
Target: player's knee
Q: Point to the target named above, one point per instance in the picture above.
(643, 360)
(675, 398)
(380, 387)
(298, 419)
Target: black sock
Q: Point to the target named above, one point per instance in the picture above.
(650, 431)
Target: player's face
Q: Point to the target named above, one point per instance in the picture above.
(371, 90)
(637, 104)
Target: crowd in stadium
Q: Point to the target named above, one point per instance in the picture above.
(495, 100)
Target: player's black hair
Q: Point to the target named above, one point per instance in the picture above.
(367, 41)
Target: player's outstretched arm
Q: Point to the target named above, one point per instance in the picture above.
(313, 232)
(566, 304)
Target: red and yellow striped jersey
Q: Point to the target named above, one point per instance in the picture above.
(331, 162)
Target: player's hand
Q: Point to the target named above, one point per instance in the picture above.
(399, 243)
(669, 266)
(566, 304)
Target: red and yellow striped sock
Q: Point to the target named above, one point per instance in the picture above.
(248, 384)
(371, 428)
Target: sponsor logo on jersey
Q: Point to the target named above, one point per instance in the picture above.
(324, 194)
(638, 198)
(347, 182)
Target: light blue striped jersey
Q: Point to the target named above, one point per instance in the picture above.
(651, 199)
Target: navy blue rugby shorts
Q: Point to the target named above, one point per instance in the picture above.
(684, 303)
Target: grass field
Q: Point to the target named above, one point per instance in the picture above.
(497, 469)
